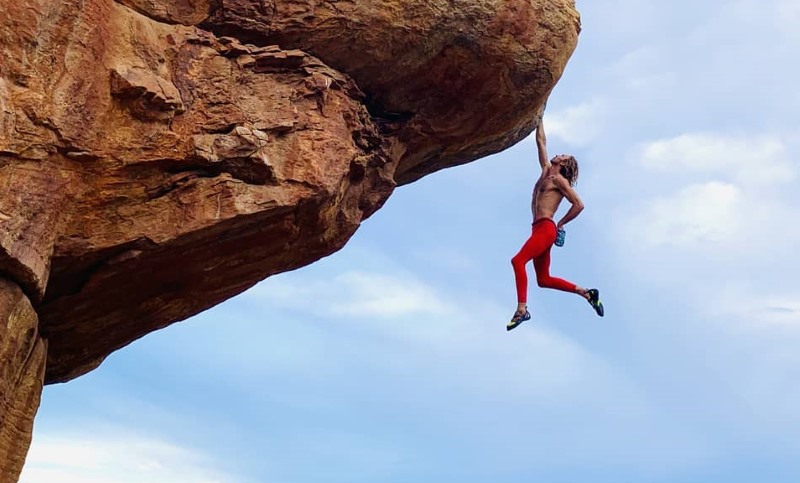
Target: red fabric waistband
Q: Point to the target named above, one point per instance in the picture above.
(543, 219)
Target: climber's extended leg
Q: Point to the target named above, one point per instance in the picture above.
(541, 239)
(543, 234)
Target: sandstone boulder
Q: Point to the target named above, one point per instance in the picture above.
(160, 156)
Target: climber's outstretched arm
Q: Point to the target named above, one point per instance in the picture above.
(541, 145)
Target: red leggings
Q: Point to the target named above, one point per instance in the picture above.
(537, 248)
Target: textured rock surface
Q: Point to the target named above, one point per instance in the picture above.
(160, 156)
(22, 361)
(465, 74)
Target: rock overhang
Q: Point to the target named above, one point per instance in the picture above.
(235, 139)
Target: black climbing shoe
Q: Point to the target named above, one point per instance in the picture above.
(518, 318)
(594, 301)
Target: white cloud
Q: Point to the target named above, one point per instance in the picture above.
(699, 214)
(577, 125)
(729, 200)
(378, 295)
(641, 71)
(753, 306)
(116, 458)
(356, 294)
(749, 160)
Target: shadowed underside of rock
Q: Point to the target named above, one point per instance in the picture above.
(160, 156)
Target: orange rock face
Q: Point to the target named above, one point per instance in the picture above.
(160, 156)
(22, 363)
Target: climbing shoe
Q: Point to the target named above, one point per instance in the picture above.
(518, 318)
(594, 301)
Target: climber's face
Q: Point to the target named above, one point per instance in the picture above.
(558, 159)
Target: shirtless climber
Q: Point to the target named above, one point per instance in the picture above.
(555, 183)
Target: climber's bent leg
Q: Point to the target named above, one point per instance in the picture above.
(545, 280)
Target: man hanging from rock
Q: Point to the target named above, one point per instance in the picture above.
(554, 184)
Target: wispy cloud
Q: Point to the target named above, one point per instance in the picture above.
(428, 359)
(117, 457)
(729, 197)
(577, 125)
(754, 306)
(378, 295)
(453, 341)
(749, 160)
(707, 213)
(359, 294)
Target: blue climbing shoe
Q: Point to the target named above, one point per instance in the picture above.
(594, 301)
(518, 318)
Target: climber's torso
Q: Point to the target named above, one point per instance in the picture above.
(546, 196)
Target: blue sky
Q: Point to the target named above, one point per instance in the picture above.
(389, 361)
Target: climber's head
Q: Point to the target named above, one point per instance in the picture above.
(568, 167)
